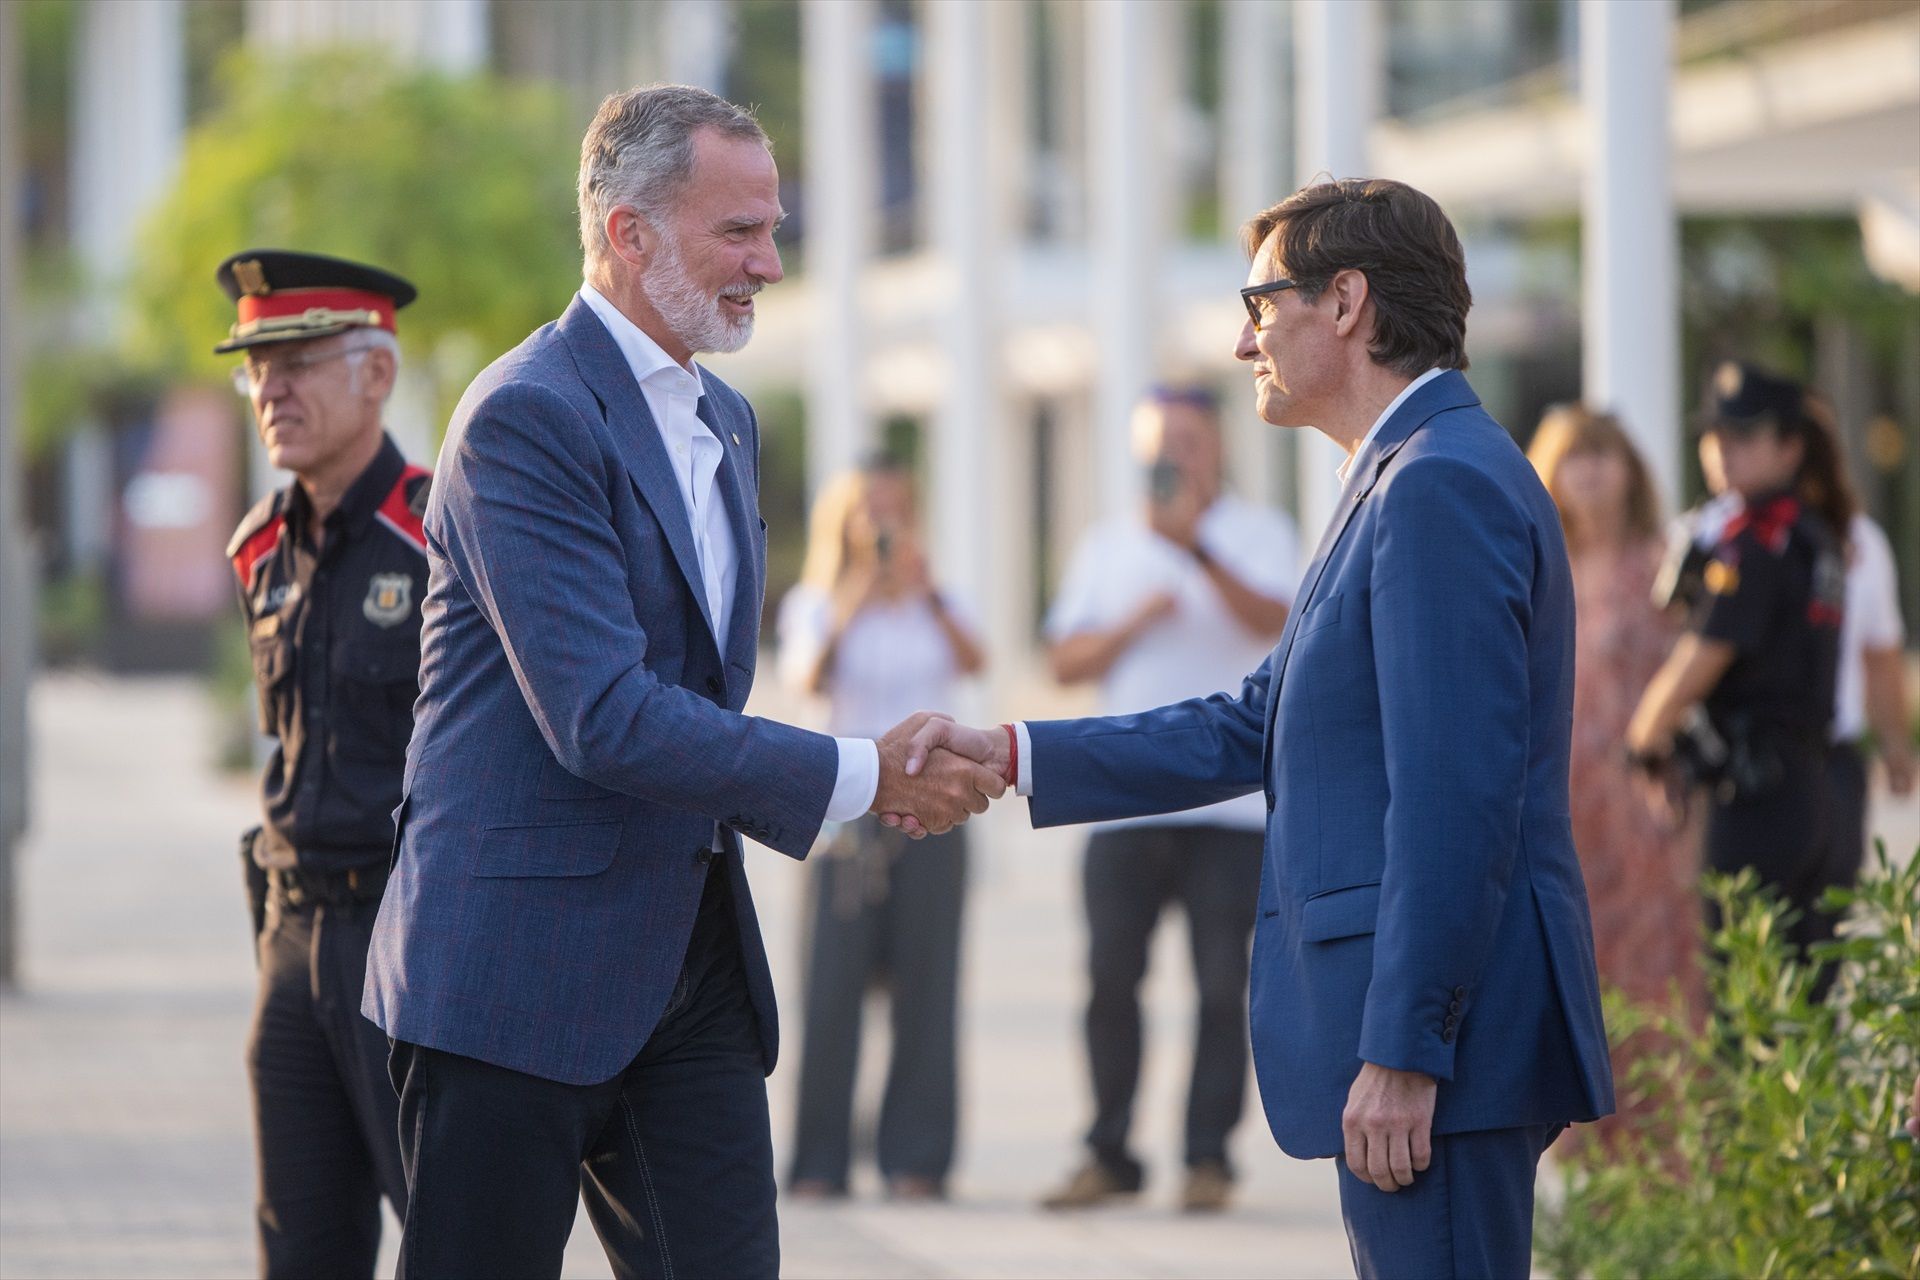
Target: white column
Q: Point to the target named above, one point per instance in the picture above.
(1630, 299)
(447, 35)
(966, 496)
(1126, 59)
(698, 37)
(129, 115)
(1337, 73)
(842, 151)
(1253, 175)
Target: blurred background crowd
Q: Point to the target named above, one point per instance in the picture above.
(1010, 307)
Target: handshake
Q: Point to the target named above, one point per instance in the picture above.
(935, 773)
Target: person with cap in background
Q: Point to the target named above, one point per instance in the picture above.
(331, 569)
(1760, 655)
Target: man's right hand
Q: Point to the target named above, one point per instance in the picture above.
(929, 791)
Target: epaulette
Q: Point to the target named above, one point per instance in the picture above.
(257, 536)
(404, 509)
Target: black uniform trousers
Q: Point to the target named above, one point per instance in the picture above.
(1131, 875)
(884, 910)
(1785, 834)
(326, 1121)
(673, 1155)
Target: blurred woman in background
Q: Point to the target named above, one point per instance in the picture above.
(1642, 869)
(867, 629)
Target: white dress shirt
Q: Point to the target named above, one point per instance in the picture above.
(673, 391)
(1023, 784)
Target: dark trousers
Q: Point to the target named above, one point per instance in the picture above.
(325, 1117)
(1131, 875)
(1783, 833)
(1470, 1214)
(673, 1156)
(1846, 814)
(884, 910)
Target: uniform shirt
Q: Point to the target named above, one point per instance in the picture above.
(1775, 591)
(673, 392)
(1202, 648)
(1872, 622)
(335, 639)
(893, 659)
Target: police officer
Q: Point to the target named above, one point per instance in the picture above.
(331, 573)
(1761, 650)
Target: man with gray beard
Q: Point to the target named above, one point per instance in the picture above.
(567, 959)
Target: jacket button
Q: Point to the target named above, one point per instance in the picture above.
(1446, 1037)
(713, 684)
(1453, 1008)
(1459, 993)
(703, 856)
(1269, 802)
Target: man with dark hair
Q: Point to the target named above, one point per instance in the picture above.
(1178, 601)
(1424, 1002)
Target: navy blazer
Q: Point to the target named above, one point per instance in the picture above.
(579, 728)
(1420, 903)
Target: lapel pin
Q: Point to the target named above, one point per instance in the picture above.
(736, 437)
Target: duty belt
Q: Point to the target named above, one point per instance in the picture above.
(300, 887)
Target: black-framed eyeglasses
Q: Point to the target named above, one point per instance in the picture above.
(1252, 291)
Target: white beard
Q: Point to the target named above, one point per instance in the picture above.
(690, 313)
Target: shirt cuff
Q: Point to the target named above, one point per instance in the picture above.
(859, 779)
(1023, 775)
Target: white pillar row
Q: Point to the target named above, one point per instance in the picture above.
(129, 117)
(447, 35)
(967, 498)
(1630, 252)
(841, 190)
(1338, 58)
(698, 36)
(1127, 215)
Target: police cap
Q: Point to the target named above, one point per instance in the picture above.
(283, 296)
(1742, 398)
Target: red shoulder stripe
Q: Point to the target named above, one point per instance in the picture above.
(255, 549)
(396, 512)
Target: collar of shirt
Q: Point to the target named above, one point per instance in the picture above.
(362, 498)
(652, 367)
(1386, 413)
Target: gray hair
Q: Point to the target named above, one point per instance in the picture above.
(639, 151)
(370, 339)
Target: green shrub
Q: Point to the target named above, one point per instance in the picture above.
(1779, 1148)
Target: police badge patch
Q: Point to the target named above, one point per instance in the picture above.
(389, 599)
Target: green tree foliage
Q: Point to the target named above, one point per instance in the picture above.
(1779, 1149)
(462, 184)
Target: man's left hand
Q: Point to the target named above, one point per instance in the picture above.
(1388, 1125)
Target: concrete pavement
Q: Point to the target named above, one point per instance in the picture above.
(125, 1145)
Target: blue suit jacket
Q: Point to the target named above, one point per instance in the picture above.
(578, 731)
(1420, 903)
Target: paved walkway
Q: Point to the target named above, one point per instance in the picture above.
(124, 1136)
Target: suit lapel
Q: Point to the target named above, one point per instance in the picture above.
(733, 493)
(637, 438)
(1448, 391)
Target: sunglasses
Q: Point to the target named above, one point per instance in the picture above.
(1253, 291)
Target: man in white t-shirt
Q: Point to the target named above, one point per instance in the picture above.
(1869, 693)
(1179, 602)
